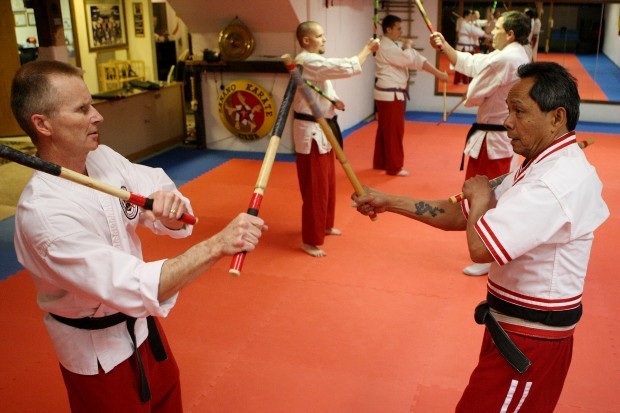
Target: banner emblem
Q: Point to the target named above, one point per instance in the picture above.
(246, 109)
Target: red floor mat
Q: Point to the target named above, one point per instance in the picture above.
(384, 323)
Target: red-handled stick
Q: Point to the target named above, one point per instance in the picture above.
(53, 169)
(329, 134)
(493, 183)
(265, 170)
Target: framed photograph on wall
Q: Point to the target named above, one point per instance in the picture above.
(138, 19)
(105, 20)
(20, 19)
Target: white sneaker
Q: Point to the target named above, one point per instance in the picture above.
(477, 269)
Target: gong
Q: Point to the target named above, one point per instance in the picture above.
(236, 41)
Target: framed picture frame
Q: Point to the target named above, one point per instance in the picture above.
(105, 20)
(31, 19)
(138, 19)
(20, 19)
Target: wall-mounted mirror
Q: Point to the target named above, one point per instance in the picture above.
(572, 34)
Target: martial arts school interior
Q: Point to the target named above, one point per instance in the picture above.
(384, 322)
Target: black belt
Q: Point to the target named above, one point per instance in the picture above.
(394, 89)
(507, 348)
(99, 323)
(480, 126)
(561, 318)
(309, 118)
(333, 124)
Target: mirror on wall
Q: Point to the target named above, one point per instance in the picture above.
(27, 34)
(572, 34)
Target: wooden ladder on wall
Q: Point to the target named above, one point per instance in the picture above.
(405, 9)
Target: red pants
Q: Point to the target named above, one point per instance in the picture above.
(118, 390)
(389, 153)
(490, 168)
(495, 384)
(317, 182)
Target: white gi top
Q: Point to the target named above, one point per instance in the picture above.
(536, 26)
(319, 70)
(493, 75)
(85, 258)
(468, 36)
(540, 233)
(392, 68)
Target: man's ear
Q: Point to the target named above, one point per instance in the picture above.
(559, 117)
(41, 124)
(511, 36)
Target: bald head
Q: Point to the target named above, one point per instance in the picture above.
(311, 37)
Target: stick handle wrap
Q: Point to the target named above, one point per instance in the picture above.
(57, 170)
(265, 170)
(493, 183)
(30, 161)
(329, 134)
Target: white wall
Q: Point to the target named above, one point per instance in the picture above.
(611, 42)
(348, 27)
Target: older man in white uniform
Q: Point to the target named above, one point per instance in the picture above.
(537, 230)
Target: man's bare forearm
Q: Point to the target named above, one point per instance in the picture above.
(438, 213)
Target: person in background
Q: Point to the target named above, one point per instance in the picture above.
(468, 40)
(100, 297)
(314, 156)
(487, 144)
(535, 31)
(393, 61)
(491, 20)
(536, 229)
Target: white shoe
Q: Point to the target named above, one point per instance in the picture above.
(477, 269)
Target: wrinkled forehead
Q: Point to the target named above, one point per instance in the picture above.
(520, 92)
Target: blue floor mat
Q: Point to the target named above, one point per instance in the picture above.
(604, 72)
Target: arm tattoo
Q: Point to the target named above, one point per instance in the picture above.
(422, 207)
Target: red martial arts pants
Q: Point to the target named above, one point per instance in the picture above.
(119, 389)
(389, 153)
(490, 168)
(495, 386)
(317, 182)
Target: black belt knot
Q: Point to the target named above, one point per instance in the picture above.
(99, 323)
(507, 348)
